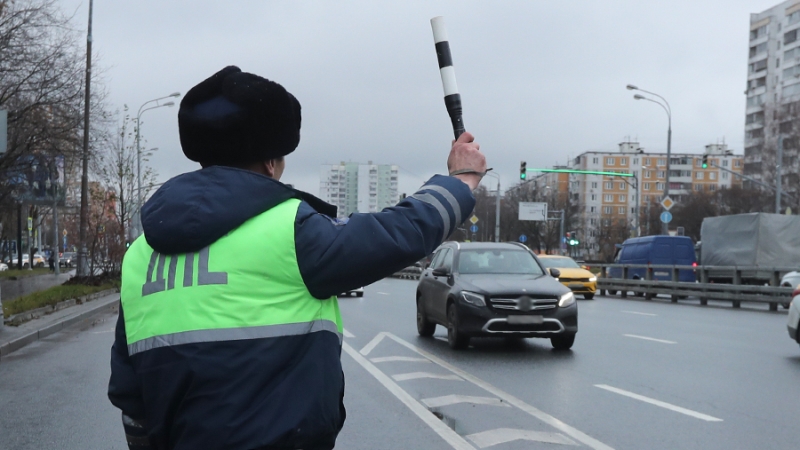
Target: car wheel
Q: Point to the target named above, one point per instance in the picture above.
(425, 328)
(359, 294)
(563, 342)
(455, 338)
(610, 292)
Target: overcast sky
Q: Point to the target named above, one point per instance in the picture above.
(541, 81)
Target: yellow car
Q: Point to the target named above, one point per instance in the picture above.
(580, 280)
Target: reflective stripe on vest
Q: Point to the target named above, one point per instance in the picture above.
(247, 285)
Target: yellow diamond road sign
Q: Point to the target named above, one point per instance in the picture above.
(473, 219)
(667, 203)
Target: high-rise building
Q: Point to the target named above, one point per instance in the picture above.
(602, 200)
(354, 187)
(773, 95)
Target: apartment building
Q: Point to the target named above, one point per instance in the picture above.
(603, 200)
(354, 187)
(773, 95)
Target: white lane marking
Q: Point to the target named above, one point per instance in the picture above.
(665, 405)
(448, 400)
(502, 435)
(347, 334)
(639, 313)
(104, 331)
(574, 433)
(418, 375)
(440, 338)
(399, 358)
(649, 339)
(373, 343)
(439, 427)
(384, 293)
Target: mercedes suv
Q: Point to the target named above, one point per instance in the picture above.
(494, 289)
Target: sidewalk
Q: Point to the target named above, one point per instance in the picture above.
(14, 338)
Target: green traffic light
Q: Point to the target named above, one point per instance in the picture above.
(705, 165)
(522, 176)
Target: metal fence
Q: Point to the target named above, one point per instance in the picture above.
(735, 292)
(409, 273)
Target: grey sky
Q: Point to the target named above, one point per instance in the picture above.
(541, 81)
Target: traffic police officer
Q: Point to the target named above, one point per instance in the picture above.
(229, 333)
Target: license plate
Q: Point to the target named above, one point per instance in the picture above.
(576, 286)
(525, 320)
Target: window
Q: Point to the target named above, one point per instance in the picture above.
(724, 175)
(647, 186)
(698, 175)
(606, 210)
(737, 163)
(621, 210)
(622, 186)
(647, 173)
(759, 82)
(789, 37)
(756, 117)
(608, 198)
(758, 49)
(594, 184)
(712, 176)
(635, 161)
(592, 222)
(609, 161)
(754, 134)
(621, 197)
(756, 100)
(623, 161)
(758, 66)
(609, 185)
(777, 62)
(633, 210)
(591, 209)
(595, 160)
(788, 55)
(660, 186)
(713, 187)
(647, 161)
(758, 32)
(662, 162)
(594, 197)
(793, 18)
(724, 163)
(698, 162)
(789, 90)
(698, 187)
(661, 173)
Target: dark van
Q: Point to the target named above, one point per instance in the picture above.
(656, 250)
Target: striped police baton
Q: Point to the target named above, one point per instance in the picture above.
(452, 99)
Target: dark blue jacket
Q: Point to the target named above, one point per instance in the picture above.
(273, 393)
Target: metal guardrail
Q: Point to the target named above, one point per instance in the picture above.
(409, 273)
(735, 292)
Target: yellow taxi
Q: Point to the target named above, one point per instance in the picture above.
(573, 276)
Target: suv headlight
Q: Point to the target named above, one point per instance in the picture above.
(473, 298)
(592, 279)
(566, 299)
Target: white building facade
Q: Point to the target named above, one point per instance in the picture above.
(354, 187)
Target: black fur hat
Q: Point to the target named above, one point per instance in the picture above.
(236, 118)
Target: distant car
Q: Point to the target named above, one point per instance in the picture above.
(3, 267)
(494, 289)
(573, 276)
(794, 316)
(39, 260)
(358, 292)
(656, 250)
(67, 259)
(792, 280)
(25, 261)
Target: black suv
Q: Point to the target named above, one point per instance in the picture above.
(494, 289)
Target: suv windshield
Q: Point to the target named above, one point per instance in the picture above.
(559, 263)
(498, 261)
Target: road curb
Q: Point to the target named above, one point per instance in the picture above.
(20, 342)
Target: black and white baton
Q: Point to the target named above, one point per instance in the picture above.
(452, 99)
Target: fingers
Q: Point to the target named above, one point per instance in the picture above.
(466, 137)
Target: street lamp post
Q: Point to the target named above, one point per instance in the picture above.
(142, 109)
(668, 110)
(497, 208)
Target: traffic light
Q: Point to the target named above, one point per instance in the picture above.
(523, 170)
(705, 161)
(573, 238)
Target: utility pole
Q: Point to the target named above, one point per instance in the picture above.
(82, 263)
(778, 170)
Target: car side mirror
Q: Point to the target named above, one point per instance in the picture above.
(441, 272)
(555, 273)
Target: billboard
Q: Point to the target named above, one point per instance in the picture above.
(536, 211)
(39, 180)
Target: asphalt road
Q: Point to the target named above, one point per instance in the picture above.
(642, 375)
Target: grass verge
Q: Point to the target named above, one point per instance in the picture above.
(24, 273)
(52, 296)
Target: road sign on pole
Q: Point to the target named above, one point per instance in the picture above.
(523, 238)
(473, 228)
(667, 203)
(536, 211)
(666, 217)
(473, 219)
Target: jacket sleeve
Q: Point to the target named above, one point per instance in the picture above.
(336, 256)
(124, 389)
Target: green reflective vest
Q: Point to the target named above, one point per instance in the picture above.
(246, 285)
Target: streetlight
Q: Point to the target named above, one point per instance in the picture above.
(668, 110)
(497, 208)
(142, 109)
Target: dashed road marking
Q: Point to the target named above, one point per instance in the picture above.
(439, 427)
(447, 400)
(347, 334)
(665, 405)
(384, 293)
(570, 431)
(373, 343)
(640, 313)
(399, 358)
(418, 375)
(104, 331)
(502, 435)
(635, 336)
